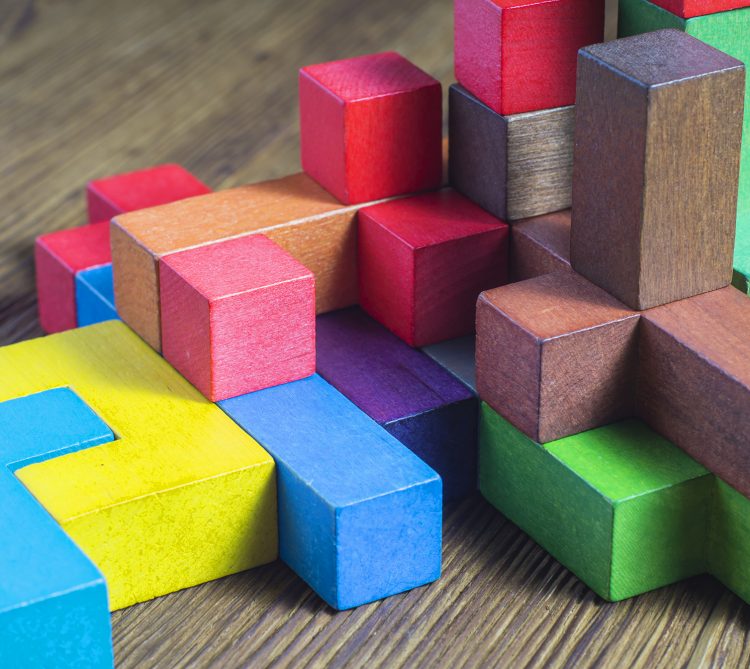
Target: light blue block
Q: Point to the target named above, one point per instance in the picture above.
(360, 516)
(53, 601)
(95, 295)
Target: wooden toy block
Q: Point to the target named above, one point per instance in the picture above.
(619, 506)
(727, 31)
(237, 316)
(294, 212)
(183, 495)
(141, 189)
(520, 55)
(657, 224)
(540, 245)
(58, 257)
(424, 260)
(514, 166)
(53, 601)
(371, 127)
(359, 514)
(95, 295)
(417, 401)
(694, 380)
(458, 357)
(688, 8)
(556, 355)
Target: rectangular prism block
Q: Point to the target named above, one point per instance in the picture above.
(237, 316)
(513, 166)
(359, 514)
(688, 8)
(458, 357)
(371, 127)
(402, 389)
(729, 539)
(540, 245)
(95, 295)
(657, 224)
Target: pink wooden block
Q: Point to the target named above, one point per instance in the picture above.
(423, 262)
(150, 187)
(59, 256)
(237, 316)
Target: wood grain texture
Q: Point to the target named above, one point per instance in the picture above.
(540, 245)
(216, 93)
(514, 166)
(657, 223)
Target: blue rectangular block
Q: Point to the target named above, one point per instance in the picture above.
(360, 516)
(53, 601)
(95, 295)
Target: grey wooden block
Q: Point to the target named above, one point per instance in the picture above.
(513, 166)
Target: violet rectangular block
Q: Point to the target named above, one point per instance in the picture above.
(419, 402)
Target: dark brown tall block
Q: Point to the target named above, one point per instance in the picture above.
(540, 245)
(657, 150)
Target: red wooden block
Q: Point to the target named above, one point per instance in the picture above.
(142, 189)
(59, 257)
(520, 55)
(423, 262)
(237, 316)
(371, 127)
(690, 8)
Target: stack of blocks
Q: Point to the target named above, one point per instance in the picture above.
(294, 372)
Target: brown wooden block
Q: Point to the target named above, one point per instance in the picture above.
(694, 380)
(556, 355)
(540, 245)
(514, 166)
(657, 149)
(293, 211)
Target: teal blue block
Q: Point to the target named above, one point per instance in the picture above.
(360, 516)
(95, 295)
(53, 601)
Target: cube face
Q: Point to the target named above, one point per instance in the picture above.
(95, 295)
(689, 8)
(540, 245)
(520, 55)
(371, 127)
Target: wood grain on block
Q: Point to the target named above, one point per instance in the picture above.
(520, 55)
(458, 357)
(514, 166)
(95, 295)
(423, 262)
(237, 316)
(371, 127)
(656, 224)
(149, 187)
(181, 497)
(59, 256)
(694, 380)
(359, 514)
(556, 355)
(688, 8)
(540, 245)
(294, 212)
(413, 397)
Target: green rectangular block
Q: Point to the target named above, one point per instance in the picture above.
(729, 539)
(621, 507)
(729, 32)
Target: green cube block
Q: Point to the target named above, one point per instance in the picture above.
(621, 507)
(728, 32)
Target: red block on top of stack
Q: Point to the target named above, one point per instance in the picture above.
(520, 55)
(690, 8)
(424, 260)
(237, 316)
(371, 127)
(141, 189)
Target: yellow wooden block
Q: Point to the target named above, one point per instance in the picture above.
(182, 496)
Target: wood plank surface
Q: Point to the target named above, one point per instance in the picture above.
(89, 89)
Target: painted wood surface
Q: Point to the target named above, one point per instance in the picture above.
(688, 8)
(520, 55)
(423, 262)
(540, 245)
(95, 295)
(457, 356)
(371, 127)
(237, 316)
(514, 166)
(674, 105)
(359, 514)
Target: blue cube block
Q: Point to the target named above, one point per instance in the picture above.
(95, 295)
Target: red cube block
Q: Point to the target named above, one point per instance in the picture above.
(687, 9)
(371, 127)
(520, 55)
(424, 260)
(142, 189)
(59, 256)
(237, 316)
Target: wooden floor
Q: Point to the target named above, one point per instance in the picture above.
(89, 88)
